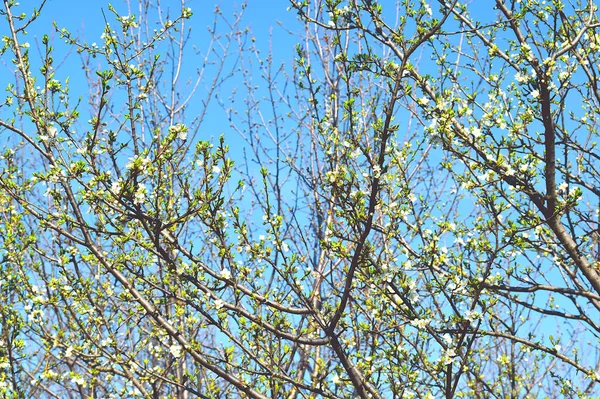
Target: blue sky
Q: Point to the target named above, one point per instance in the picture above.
(84, 19)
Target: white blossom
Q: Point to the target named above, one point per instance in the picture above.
(428, 9)
(79, 380)
(176, 350)
(336, 379)
(447, 339)
(226, 274)
(449, 356)
(115, 187)
(562, 188)
(219, 303)
(521, 77)
(140, 194)
(420, 323)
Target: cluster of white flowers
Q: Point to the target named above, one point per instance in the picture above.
(562, 188)
(344, 12)
(509, 171)
(423, 101)
(219, 303)
(69, 351)
(526, 51)
(421, 324)
(487, 176)
(180, 130)
(176, 350)
(427, 8)
(449, 356)
(36, 316)
(447, 339)
(336, 379)
(472, 315)
(523, 77)
(109, 39)
(137, 163)
(140, 194)
(564, 75)
(78, 379)
(128, 21)
(226, 274)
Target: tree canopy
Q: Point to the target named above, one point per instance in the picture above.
(407, 207)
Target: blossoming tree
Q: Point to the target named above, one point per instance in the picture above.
(414, 213)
